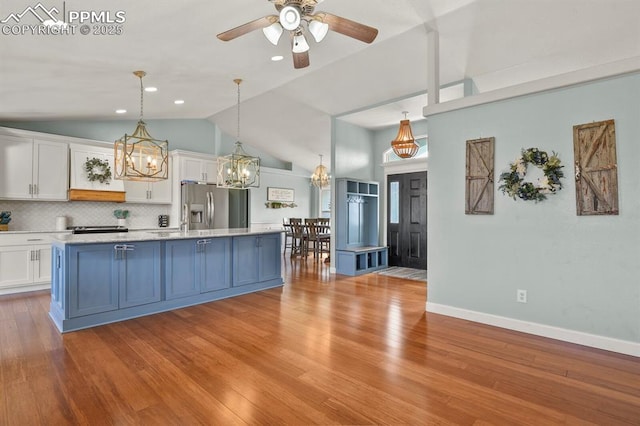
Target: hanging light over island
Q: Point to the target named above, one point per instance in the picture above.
(139, 156)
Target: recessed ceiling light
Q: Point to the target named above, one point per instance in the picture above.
(151, 89)
(277, 58)
(121, 111)
(178, 101)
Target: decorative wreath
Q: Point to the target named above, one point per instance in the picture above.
(98, 169)
(513, 182)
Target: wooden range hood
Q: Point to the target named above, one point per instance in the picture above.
(94, 195)
(81, 189)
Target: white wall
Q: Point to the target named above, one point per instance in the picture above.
(581, 273)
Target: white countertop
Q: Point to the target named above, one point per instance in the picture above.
(170, 234)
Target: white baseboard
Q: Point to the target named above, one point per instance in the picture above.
(25, 288)
(571, 336)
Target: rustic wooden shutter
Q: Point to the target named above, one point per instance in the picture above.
(479, 185)
(596, 168)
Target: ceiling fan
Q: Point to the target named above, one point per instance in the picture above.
(291, 15)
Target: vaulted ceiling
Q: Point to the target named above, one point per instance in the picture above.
(285, 111)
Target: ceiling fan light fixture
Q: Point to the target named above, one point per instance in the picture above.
(273, 33)
(290, 18)
(405, 145)
(300, 44)
(318, 30)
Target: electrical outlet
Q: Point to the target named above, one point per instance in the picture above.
(521, 296)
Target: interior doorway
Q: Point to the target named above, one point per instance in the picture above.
(407, 219)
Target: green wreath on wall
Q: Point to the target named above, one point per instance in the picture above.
(98, 170)
(513, 183)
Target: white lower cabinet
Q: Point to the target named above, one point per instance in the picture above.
(25, 264)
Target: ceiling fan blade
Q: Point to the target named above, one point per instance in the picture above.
(301, 60)
(348, 27)
(257, 24)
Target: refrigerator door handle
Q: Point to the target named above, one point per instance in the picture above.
(207, 216)
(212, 210)
(185, 217)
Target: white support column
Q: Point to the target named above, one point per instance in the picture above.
(433, 67)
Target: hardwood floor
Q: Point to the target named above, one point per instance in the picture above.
(321, 350)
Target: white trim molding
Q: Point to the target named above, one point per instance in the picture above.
(26, 288)
(563, 334)
(612, 69)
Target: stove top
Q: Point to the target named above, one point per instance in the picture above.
(96, 229)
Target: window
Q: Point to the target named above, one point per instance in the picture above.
(394, 202)
(389, 156)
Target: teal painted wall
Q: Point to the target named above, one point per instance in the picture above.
(353, 147)
(581, 273)
(189, 135)
(197, 135)
(300, 184)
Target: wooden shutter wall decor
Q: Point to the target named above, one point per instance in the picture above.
(596, 168)
(479, 189)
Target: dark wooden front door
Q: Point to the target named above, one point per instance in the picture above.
(407, 220)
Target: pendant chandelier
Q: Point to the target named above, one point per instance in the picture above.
(320, 178)
(404, 145)
(238, 170)
(139, 156)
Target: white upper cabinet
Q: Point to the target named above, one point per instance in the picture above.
(79, 176)
(33, 169)
(197, 169)
(149, 192)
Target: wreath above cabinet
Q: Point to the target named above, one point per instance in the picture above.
(98, 170)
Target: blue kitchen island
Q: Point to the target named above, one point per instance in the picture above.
(102, 278)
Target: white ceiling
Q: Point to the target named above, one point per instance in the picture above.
(286, 112)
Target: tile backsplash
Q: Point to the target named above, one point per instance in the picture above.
(41, 215)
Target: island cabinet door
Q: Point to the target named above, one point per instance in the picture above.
(215, 265)
(139, 273)
(246, 260)
(93, 279)
(180, 268)
(270, 264)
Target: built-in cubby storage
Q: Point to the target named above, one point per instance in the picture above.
(357, 249)
(361, 261)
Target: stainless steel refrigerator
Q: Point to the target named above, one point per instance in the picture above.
(206, 206)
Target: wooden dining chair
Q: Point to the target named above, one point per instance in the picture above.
(288, 237)
(298, 242)
(319, 237)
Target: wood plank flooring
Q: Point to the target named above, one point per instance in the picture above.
(321, 350)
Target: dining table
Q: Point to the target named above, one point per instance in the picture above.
(304, 233)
